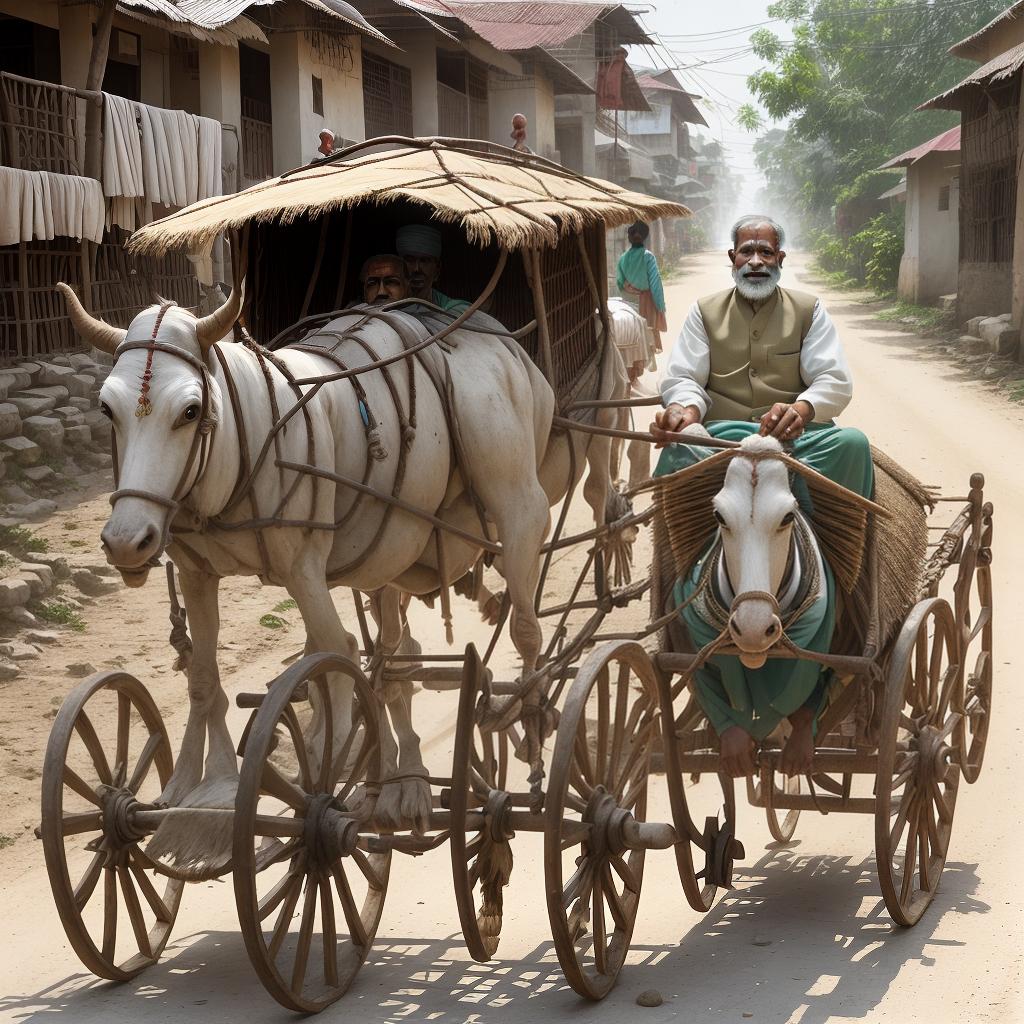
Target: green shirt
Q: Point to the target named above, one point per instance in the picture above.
(638, 266)
(448, 305)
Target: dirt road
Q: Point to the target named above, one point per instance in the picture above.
(803, 939)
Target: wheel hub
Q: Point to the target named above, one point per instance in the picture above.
(934, 754)
(608, 823)
(722, 850)
(330, 832)
(496, 815)
(118, 809)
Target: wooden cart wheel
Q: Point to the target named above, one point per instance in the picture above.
(308, 887)
(481, 855)
(973, 603)
(918, 773)
(90, 792)
(709, 840)
(768, 784)
(597, 791)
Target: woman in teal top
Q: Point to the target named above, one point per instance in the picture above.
(639, 281)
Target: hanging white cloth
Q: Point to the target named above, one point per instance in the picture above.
(42, 205)
(122, 148)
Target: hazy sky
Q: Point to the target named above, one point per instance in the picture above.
(700, 41)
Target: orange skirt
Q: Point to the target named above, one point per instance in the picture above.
(649, 311)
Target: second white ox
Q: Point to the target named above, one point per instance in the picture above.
(187, 456)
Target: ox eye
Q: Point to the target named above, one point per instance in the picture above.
(787, 520)
(188, 415)
(105, 409)
(718, 518)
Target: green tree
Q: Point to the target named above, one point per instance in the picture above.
(848, 83)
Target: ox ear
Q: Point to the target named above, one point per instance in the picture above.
(210, 329)
(97, 333)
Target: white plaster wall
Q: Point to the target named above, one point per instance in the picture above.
(932, 236)
(293, 63)
(534, 98)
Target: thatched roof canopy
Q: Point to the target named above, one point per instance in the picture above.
(494, 194)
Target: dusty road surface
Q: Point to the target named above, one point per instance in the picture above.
(803, 938)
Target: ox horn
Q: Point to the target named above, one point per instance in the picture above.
(97, 333)
(210, 329)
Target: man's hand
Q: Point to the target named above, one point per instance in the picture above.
(786, 422)
(671, 420)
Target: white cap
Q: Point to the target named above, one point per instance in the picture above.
(327, 132)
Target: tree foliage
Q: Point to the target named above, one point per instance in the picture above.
(848, 83)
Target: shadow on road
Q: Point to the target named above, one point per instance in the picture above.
(800, 940)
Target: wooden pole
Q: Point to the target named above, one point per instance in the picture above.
(540, 311)
(94, 83)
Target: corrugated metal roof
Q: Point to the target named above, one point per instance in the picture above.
(518, 25)
(223, 22)
(968, 47)
(947, 142)
(683, 105)
(896, 192)
(1006, 65)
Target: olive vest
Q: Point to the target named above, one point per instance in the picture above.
(755, 357)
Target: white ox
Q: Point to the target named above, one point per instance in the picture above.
(504, 407)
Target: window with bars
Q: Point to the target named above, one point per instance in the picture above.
(387, 97)
(462, 110)
(318, 95)
(944, 199)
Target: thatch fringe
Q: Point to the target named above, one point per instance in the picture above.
(495, 198)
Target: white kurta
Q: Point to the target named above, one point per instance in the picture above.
(823, 367)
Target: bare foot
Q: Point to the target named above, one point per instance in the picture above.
(798, 752)
(736, 747)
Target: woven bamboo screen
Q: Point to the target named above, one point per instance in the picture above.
(39, 125)
(988, 177)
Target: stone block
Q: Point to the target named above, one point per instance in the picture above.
(39, 474)
(1001, 337)
(77, 435)
(10, 420)
(32, 369)
(57, 392)
(12, 379)
(12, 494)
(35, 585)
(46, 431)
(23, 451)
(69, 415)
(28, 404)
(38, 509)
(53, 373)
(44, 572)
(57, 563)
(81, 385)
(14, 592)
(92, 585)
(20, 616)
(78, 360)
(973, 326)
(947, 303)
(83, 405)
(970, 343)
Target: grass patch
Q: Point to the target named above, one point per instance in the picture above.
(925, 318)
(273, 622)
(59, 613)
(78, 543)
(287, 605)
(21, 541)
(6, 841)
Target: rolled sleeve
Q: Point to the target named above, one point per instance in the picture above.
(824, 370)
(689, 364)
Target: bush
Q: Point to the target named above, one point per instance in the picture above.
(21, 541)
(871, 256)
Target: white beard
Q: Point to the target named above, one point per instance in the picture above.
(759, 289)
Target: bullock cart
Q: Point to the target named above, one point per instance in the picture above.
(565, 747)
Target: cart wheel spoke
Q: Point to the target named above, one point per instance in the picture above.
(291, 722)
(330, 935)
(160, 909)
(81, 822)
(109, 913)
(145, 761)
(131, 900)
(85, 730)
(87, 884)
(597, 919)
(348, 904)
(623, 870)
(613, 899)
(75, 782)
(305, 934)
(275, 784)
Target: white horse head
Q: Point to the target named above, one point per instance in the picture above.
(755, 510)
(163, 403)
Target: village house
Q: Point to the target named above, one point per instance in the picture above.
(205, 101)
(931, 191)
(991, 214)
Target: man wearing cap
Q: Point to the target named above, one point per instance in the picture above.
(420, 246)
(639, 281)
(325, 145)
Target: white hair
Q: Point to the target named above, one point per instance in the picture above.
(752, 220)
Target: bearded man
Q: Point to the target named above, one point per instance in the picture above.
(759, 358)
